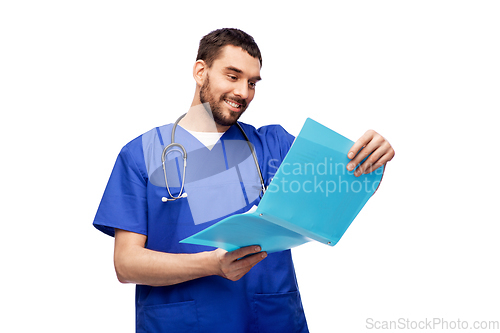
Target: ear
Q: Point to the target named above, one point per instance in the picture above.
(199, 70)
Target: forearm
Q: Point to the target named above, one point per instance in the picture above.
(136, 264)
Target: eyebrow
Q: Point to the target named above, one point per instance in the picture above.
(239, 71)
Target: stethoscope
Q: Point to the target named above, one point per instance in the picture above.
(174, 146)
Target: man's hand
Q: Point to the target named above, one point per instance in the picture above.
(232, 267)
(136, 264)
(372, 143)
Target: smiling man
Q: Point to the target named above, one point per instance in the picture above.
(151, 203)
(236, 86)
(225, 85)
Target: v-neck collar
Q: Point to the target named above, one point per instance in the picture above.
(193, 141)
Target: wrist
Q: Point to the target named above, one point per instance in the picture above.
(213, 262)
(209, 262)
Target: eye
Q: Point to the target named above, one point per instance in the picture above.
(252, 85)
(232, 77)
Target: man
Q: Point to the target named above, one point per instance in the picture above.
(191, 288)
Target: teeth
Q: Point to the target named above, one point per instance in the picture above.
(234, 105)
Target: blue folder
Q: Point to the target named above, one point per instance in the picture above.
(312, 196)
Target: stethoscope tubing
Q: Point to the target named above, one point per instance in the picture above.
(254, 159)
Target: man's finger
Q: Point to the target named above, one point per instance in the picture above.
(252, 260)
(242, 252)
(239, 268)
(372, 146)
(378, 158)
(373, 158)
(362, 141)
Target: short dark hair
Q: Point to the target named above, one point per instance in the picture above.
(212, 44)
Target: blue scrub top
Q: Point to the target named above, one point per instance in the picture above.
(219, 182)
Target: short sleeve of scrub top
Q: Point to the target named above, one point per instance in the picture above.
(124, 204)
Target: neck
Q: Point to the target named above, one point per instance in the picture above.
(198, 119)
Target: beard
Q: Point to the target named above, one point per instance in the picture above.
(216, 106)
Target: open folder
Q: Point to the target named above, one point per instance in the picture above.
(312, 196)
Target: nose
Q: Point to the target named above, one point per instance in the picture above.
(242, 90)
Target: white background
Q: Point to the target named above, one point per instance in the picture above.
(79, 79)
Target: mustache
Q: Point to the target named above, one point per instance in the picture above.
(235, 99)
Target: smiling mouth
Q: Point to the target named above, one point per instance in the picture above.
(233, 104)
